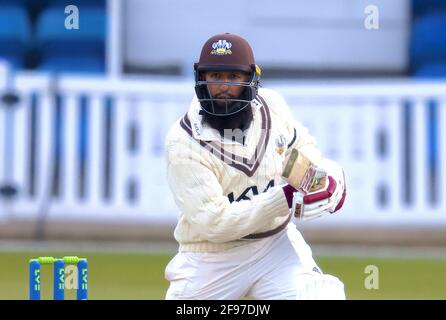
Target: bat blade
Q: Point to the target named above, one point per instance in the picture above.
(303, 174)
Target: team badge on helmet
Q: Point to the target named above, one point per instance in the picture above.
(221, 47)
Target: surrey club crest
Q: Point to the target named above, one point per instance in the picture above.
(280, 144)
(221, 48)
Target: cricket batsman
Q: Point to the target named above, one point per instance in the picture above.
(241, 169)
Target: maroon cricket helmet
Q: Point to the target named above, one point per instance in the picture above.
(226, 52)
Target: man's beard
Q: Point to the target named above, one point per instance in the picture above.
(240, 120)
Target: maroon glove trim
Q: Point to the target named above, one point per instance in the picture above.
(288, 190)
(326, 194)
(341, 202)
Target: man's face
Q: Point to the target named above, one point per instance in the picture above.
(223, 90)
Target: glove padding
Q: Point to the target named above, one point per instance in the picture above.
(329, 198)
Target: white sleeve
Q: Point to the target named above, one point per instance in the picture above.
(199, 195)
(306, 143)
(298, 136)
(302, 140)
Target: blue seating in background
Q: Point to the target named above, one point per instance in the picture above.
(80, 49)
(420, 7)
(32, 4)
(15, 34)
(22, 3)
(64, 3)
(428, 44)
(432, 70)
(74, 65)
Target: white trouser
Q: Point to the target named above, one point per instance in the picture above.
(279, 267)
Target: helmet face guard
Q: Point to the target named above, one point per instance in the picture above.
(225, 106)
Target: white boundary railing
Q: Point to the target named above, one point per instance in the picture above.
(354, 116)
(350, 121)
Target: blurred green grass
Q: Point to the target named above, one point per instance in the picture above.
(399, 278)
(141, 276)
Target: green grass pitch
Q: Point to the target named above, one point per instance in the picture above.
(141, 276)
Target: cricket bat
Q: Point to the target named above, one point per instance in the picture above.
(303, 174)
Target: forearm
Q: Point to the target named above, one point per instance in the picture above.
(212, 215)
(220, 220)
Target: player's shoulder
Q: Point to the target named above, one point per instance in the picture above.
(269, 94)
(177, 134)
(275, 101)
(176, 142)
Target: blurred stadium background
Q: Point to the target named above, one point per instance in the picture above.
(84, 113)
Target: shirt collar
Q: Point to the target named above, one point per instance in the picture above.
(204, 132)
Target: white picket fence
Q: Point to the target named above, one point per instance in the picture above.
(122, 176)
(355, 120)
